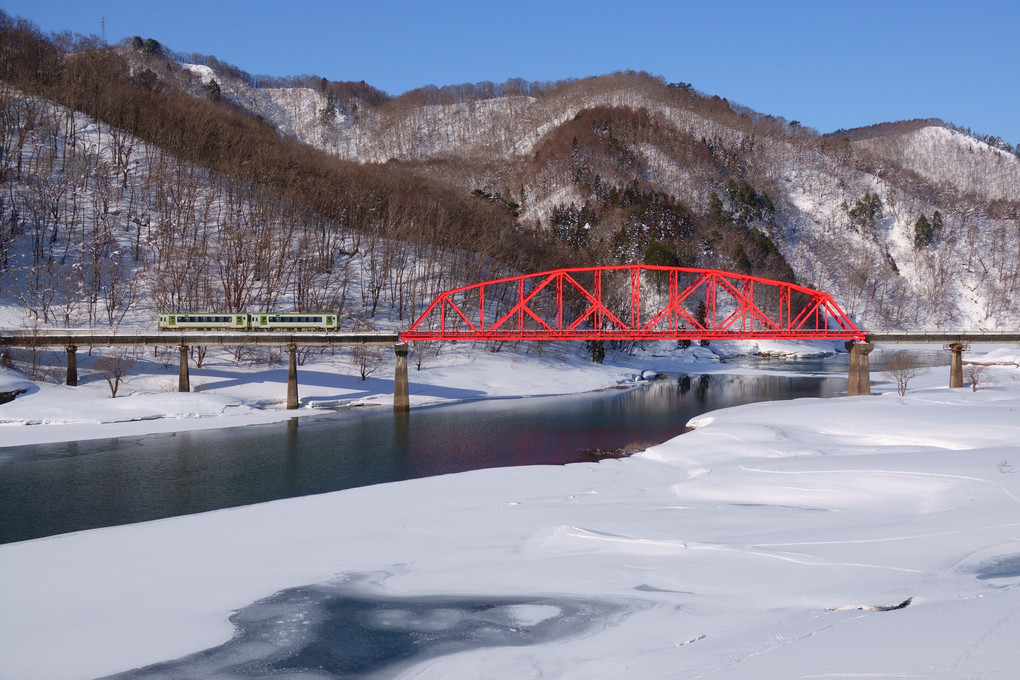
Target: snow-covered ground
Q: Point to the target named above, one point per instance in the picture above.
(777, 540)
(226, 394)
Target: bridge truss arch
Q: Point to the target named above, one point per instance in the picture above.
(633, 302)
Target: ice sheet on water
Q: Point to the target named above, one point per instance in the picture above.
(338, 630)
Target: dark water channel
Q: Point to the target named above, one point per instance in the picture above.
(56, 488)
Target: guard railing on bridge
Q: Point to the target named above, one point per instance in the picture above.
(90, 337)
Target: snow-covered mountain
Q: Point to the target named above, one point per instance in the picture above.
(909, 225)
(511, 144)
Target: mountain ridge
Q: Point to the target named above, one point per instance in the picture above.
(617, 168)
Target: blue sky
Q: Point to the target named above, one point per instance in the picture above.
(830, 65)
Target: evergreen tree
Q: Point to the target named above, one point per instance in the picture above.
(152, 47)
(717, 213)
(748, 204)
(741, 262)
(866, 213)
(212, 90)
(923, 233)
(327, 113)
(701, 314)
(659, 254)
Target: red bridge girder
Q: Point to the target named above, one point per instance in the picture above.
(633, 302)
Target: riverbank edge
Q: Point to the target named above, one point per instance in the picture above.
(228, 396)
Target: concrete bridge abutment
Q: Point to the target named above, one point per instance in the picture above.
(72, 366)
(956, 364)
(292, 391)
(859, 378)
(183, 377)
(401, 390)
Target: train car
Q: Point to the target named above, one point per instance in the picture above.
(295, 321)
(203, 321)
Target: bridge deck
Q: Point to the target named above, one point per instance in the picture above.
(943, 337)
(88, 337)
(105, 338)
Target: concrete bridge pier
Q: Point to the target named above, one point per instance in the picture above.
(401, 391)
(956, 364)
(72, 365)
(183, 377)
(292, 394)
(859, 379)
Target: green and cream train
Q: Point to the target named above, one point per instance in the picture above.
(269, 321)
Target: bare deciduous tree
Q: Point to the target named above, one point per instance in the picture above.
(367, 358)
(114, 367)
(976, 374)
(903, 368)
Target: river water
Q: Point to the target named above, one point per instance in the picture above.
(56, 488)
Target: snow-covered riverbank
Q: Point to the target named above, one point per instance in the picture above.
(775, 541)
(226, 394)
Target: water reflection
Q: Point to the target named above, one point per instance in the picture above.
(55, 488)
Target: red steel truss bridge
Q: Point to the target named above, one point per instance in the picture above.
(633, 302)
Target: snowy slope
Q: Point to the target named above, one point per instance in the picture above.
(969, 278)
(861, 537)
(950, 158)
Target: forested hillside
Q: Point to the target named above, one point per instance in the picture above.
(124, 194)
(910, 224)
(135, 176)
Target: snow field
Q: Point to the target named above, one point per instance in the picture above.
(762, 544)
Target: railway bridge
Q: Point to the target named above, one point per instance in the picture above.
(642, 302)
(72, 339)
(591, 304)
